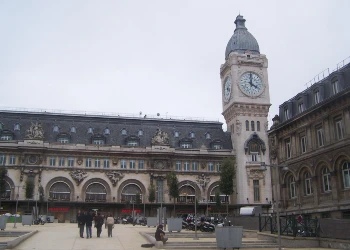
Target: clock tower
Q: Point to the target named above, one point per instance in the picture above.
(246, 102)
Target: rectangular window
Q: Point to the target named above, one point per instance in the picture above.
(52, 161)
(211, 167)
(327, 182)
(339, 128)
(178, 166)
(301, 107)
(70, 162)
(288, 149)
(12, 159)
(141, 164)
(308, 186)
(194, 166)
(320, 138)
(106, 163)
(286, 114)
(88, 162)
(256, 190)
(292, 190)
(254, 157)
(132, 164)
(123, 164)
(335, 87)
(186, 166)
(303, 144)
(218, 166)
(317, 96)
(97, 163)
(62, 162)
(2, 159)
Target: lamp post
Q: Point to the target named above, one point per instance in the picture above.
(17, 196)
(284, 167)
(160, 197)
(195, 213)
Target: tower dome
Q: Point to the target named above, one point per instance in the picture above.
(241, 40)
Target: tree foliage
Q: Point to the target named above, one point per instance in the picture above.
(227, 174)
(151, 193)
(3, 174)
(29, 189)
(217, 200)
(137, 199)
(173, 186)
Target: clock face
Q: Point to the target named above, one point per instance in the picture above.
(227, 91)
(251, 84)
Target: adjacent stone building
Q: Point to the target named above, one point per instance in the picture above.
(311, 135)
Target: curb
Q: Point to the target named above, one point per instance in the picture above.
(150, 239)
(20, 239)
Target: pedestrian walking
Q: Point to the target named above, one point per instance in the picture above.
(109, 224)
(98, 224)
(88, 221)
(81, 223)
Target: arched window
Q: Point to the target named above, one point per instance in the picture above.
(60, 191)
(207, 136)
(124, 132)
(257, 126)
(346, 174)
(335, 86)
(56, 129)
(176, 134)
(213, 192)
(192, 135)
(252, 125)
(187, 194)
(326, 179)
(247, 125)
(308, 186)
(90, 130)
(17, 127)
(107, 131)
(291, 182)
(140, 133)
(73, 129)
(129, 193)
(96, 192)
(7, 194)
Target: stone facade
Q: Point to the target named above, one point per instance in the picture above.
(312, 136)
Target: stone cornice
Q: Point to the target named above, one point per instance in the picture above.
(244, 109)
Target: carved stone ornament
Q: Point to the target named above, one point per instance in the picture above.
(114, 177)
(203, 164)
(160, 138)
(35, 132)
(202, 180)
(78, 176)
(238, 127)
(80, 161)
(31, 159)
(256, 174)
(30, 172)
(115, 161)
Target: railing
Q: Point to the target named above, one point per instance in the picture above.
(290, 226)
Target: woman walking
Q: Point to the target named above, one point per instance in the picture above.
(110, 224)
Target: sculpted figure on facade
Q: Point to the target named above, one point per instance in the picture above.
(256, 174)
(114, 177)
(160, 138)
(78, 176)
(202, 180)
(35, 132)
(238, 127)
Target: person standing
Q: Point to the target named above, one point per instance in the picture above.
(81, 223)
(98, 224)
(110, 224)
(88, 221)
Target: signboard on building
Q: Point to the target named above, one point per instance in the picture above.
(129, 211)
(59, 209)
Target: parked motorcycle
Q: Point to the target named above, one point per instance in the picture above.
(39, 221)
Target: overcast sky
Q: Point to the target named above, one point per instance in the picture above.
(158, 56)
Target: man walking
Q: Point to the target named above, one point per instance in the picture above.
(88, 221)
(81, 223)
(98, 224)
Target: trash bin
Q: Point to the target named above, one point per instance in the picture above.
(3, 221)
(152, 221)
(229, 237)
(174, 224)
(27, 220)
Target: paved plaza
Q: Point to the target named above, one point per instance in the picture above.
(54, 236)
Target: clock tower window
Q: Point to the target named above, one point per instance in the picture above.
(247, 125)
(257, 126)
(252, 125)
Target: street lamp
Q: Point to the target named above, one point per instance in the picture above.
(195, 213)
(278, 167)
(14, 226)
(160, 197)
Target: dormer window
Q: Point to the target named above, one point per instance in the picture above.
(176, 134)
(301, 107)
(335, 86)
(1, 126)
(63, 138)
(316, 96)
(207, 136)
(132, 141)
(17, 127)
(185, 145)
(73, 129)
(55, 129)
(107, 131)
(216, 144)
(90, 130)
(98, 141)
(286, 114)
(6, 138)
(124, 132)
(192, 135)
(140, 133)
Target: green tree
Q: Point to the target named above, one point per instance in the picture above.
(151, 194)
(29, 190)
(3, 174)
(227, 174)
(217, 200)
(173, 187)
(137, 199)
